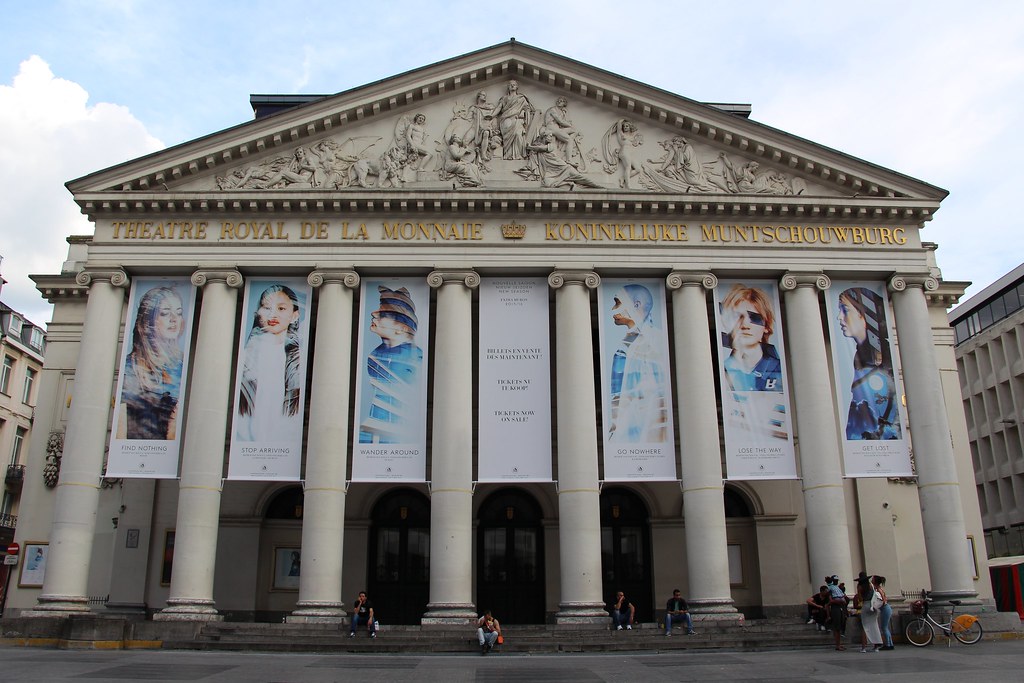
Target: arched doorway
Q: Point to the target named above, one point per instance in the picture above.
(744, 564)
(399, 557)
(626, 550)
(510, 558)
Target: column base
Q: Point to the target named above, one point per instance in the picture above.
(186, 609)
(317, 612)
(965, 596)
(58, 606)
(450, 614)
(714, 609)
(582, 614)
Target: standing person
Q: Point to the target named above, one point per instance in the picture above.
(623, 612)
(874, 410)
(837, 610)
(677, 609)
(754, 363)
(487, 631)
(871, 638)
(152, 371)
(270, 393)
(362, 614)
(884, 612)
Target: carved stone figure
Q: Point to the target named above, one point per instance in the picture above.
(515, 115)
(459, 153)
(486, 136)
(555, 170)
(620, 154)
(556, 121)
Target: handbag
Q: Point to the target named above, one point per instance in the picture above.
(501, 639)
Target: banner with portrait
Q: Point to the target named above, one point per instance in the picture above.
(514, 381)
(867, 380)
(390, 440)
(756, 414)
(145, 438)
(636, 382)
(270, 381)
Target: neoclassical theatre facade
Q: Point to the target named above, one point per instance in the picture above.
(504, 332)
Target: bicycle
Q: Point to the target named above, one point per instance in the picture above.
(921, 631)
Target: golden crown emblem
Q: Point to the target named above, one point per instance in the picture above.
(513, 231)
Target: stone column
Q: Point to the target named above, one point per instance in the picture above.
(707, 548)
(202, 466)
(451, 471)
(323, 515)
(828, 537)
(579, 497)
(85, 442)
(945, 533)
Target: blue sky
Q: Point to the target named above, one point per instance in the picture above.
(930, 89)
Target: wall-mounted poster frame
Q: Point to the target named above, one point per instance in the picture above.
(33, 567)
(287, 567)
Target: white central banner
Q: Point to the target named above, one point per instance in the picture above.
(146, 437)
(639, 439)
(515, 384)
(867, 381)
(752, 368)
(390, 441)
(270, 382)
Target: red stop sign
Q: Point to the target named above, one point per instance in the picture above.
(13, 549)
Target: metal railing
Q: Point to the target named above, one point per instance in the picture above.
(8, 521)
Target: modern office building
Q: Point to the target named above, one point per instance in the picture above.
(504, 332)
(989, 331)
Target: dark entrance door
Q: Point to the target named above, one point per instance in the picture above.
(510, 558)
(626, 550)
(399, 552)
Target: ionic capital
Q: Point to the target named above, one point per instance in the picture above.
(231, 278)
(678, 279)
(922, 281)
(792, 281)
(346, 278)
(469, 278)
(116, 277)
(587, 278)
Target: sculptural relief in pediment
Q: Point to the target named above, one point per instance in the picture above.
(506, 138)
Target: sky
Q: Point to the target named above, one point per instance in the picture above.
(931, 89)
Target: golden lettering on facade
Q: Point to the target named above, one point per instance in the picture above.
(253, 230)
(431, 231)
(165, 230)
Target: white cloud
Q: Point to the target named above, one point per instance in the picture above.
(50, 134)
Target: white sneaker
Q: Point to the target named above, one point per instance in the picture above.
(668, 633)
(810, 621)
(628, 627)
(618, 628)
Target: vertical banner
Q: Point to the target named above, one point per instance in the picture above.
(752, 368)
(868, 390)
(145, 440)
(390, 441)
(270, 382)
(515, 381)
(636, 394)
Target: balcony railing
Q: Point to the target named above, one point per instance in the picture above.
(8, 521)
(15, 476)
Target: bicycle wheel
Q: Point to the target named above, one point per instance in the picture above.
(919, 633)
(966, 629)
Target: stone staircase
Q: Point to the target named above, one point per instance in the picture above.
(754, 635)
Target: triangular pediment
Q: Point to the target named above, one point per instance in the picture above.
(507, 120)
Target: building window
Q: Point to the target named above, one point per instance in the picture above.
(19, 442)
(14, 327)
(30, 380)
(5, 374)
(35, 338)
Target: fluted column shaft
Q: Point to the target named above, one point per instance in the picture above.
(945, 533)
(74, 523)
(202, 466)
(707, 551)
(579, 505)
(451, 491)
(323, 518)
(828, 537)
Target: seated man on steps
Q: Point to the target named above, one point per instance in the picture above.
(362, 613)
(677, 610)
(488, 630)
